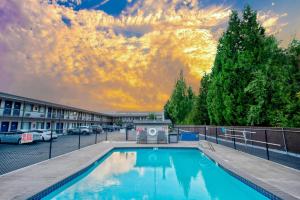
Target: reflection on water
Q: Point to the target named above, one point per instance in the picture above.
(159, 174)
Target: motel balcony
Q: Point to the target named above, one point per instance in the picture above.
(10, 112)
(34, 114)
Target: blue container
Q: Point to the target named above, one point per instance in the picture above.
(189, 136)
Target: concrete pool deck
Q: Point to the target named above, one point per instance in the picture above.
(282, 181)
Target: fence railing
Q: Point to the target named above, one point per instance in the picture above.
(277, 144)
(21, 148)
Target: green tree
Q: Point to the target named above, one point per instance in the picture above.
(242, 52)
(119, 122)
(253, 81)
(220, 95)
(293, 107)
(199, 114)
(152, 116)
(181, 102)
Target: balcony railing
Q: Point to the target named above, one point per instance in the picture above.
(34, 114)
(13, 112)
(10, 112)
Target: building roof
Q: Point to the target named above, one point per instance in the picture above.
(55, 105)
(130, 114)
(42, 102)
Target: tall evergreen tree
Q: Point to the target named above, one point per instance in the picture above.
(253, 81)
(200, 112)
(181, 102)
(241, 54)
(220, 95)
(293, 52)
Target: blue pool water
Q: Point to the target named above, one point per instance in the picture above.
(155, 174)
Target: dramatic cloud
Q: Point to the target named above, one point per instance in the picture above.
(271, 21)
(90, 59)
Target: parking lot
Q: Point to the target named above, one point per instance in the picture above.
(14, 156)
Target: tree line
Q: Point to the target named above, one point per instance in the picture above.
(253, 81)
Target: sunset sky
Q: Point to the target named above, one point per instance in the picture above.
(119, 55)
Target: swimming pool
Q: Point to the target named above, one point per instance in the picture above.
(151, 173)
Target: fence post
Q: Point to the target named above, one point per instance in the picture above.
(284, 140)
(79, 138)
(233, 138)
(216, 135)
(96, 136)
(126, 132)
(205, 132)
(267, 145)
(50, 148)
(106, 135)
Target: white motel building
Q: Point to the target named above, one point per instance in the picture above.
(18, 112)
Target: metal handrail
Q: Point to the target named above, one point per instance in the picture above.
(273, 144)
(241, 128)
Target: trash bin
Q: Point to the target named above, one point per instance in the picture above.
(173, 138)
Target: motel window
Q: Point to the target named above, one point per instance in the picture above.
(7, 107)
(28, 107)
(26, 125)
(35, 108)
(49, 112)
(42, 109)
(8, 104)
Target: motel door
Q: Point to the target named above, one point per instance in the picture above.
(14, 126)
(4, 126)
(57, 127)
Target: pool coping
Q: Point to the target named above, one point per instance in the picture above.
(265, 189)
(64, 181)
(261, 187)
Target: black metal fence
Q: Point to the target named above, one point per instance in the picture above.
(14, 155)
(281, 145)
(276, 144)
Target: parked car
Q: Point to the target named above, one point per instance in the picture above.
(18, 137)
(129, 126)
(36, 136)
(96, 129)
(83, 130)
(116, 127)
(45, 134)
(108, 128)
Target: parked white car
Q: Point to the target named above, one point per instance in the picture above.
(45, 135)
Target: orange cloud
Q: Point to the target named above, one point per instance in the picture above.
(105, 63)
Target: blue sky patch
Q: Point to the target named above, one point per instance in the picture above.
(66, 21)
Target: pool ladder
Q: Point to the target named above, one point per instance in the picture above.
(209, 146)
